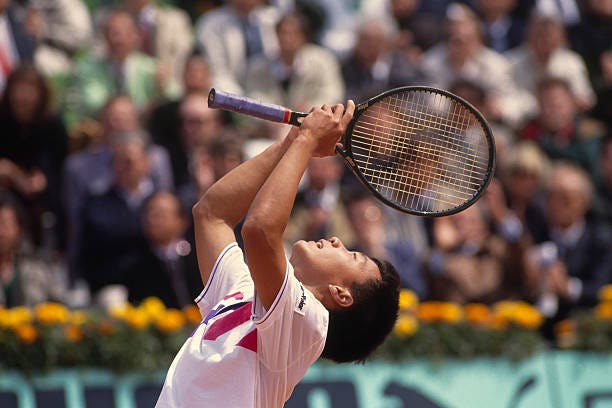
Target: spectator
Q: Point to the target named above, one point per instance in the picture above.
(33, 147)
(418, 29)
(591, 37)
(17, 45)
(318, 211)
(374, 66)
(370, 225)
(544, 54)
(602, 207)
(164, 123)
(110, 239)
(464, 56)
(25, 278)
(168, 268)
(471, 263)
(502, 29)
(232, 34)
(90, 171)
(123, 69)
(560, 130)
(568, 273)
(62, 28)
(166, 35)
(199, 126)
(522, 176)
(294, 78)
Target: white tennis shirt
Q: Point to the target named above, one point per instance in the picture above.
(242, 355)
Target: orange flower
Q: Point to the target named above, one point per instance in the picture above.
(51, 313)
(604, 311)
(527, 316)
(605, 293)
(565, 332)
(26, 333)
(138, 319)
(429, 312)
(73, 333)
(450, 313)
(193, 315)
(170, 321)
(477, 313)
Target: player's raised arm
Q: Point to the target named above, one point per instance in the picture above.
(269, 213)
(226, 202)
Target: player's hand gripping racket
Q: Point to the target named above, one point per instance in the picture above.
(420, 150)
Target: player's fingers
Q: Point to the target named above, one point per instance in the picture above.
(348, 112)
(338, 111)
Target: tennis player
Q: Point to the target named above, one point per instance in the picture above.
(267, 320)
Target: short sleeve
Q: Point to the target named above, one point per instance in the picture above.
(229, 275)
(292, 333)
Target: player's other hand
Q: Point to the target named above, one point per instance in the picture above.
(324, 127)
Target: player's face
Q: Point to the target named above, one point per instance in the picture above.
(327, 261)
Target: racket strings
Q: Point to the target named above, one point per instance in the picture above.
(424, 152)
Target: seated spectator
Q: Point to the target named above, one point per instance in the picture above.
(471, 263)
(318, 211)
(123, 69)
(463, 55)
(33, 147)
(569, 272)
(370, 225)
(294, 78)
(502, 29)
(62, 28)
(559, 128)
(165, 120)
(544, 53)
(168, 268)
(90, 171)
(110, 237)
(522, 176)
(232, 34)
(602, 206)
(166, 35)
(199, 125)
(419, 28)
(374, 65)
(25, 278)
(17, 45)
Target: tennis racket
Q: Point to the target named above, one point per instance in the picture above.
(420, 150)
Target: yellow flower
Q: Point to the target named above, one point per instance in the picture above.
(604, 311)
(605, 293)
(170, 321)
(121, 312)
(406, 326)
(138, 319)
(16, 316)
(450, 313)
(477, 313)
(520, 313)
(193, 315)
(51, 313)
(408, 300)
(153, 307)
(26, 333)
(527, 316)
(73, 333)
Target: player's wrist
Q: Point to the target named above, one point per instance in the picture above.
(307, 141)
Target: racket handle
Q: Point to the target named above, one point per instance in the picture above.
(241, 104)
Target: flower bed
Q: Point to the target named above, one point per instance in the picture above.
(146, 338)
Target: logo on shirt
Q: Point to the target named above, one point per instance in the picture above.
(301, 301)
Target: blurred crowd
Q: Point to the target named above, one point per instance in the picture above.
(106, 140)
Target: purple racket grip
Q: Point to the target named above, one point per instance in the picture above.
(248, 106)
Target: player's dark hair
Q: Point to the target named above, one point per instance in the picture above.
(356, 332)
